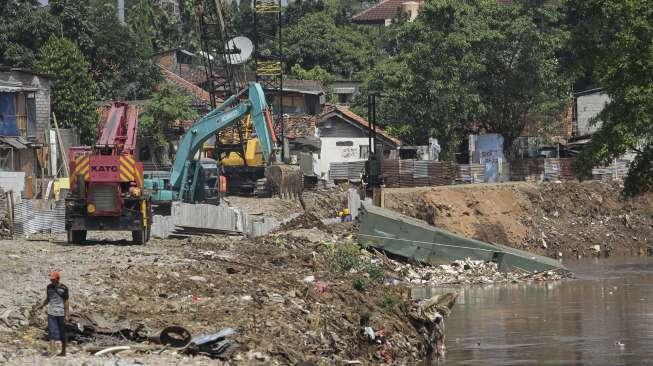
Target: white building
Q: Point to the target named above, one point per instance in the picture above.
(589, 104)
(344, 137)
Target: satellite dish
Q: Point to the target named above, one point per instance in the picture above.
(239, 50)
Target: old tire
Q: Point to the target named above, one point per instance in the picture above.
(140, 236)
(76, 236)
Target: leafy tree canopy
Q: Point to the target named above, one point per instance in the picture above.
(613, 41)
(73, 89)
(471, 64)
(316, 40)
(23, 28)
(120, 56)
(164, 107)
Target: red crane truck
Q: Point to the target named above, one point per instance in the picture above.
(106, 181)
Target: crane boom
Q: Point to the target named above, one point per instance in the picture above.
(118, 132)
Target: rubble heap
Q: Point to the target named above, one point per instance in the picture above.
(5, 223)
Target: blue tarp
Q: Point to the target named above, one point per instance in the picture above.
(8, 123)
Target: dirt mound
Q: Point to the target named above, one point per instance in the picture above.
(325, 203)
(307, 220)
(569, 218)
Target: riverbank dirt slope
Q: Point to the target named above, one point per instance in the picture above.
(547, 218)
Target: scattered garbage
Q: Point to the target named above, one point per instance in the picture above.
(212, 345)
(174, 336)
(94, 328)
(466, 272)
(429, 316)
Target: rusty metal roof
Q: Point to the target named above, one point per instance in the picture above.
(386, 9)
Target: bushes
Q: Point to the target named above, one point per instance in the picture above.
(346, 258)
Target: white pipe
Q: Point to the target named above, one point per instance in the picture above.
(111, 350)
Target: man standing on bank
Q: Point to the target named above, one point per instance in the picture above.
(57, 302)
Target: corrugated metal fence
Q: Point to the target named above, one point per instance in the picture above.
(31, 220)
(420, 173)
(351, 171)
(548, 169)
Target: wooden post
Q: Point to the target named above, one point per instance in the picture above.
(10, 210)
(64, 156)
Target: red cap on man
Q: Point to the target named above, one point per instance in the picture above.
(54, 275)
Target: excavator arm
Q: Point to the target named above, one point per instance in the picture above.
(217, 120)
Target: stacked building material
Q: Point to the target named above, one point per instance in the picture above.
(617, 170)
(421, 173)
(355, 170)
(406, 168)
(551, 170)
(566, 171)
(338, 171)
(441, 173)
(527, 169)
(346, 171)
(390, 172)
(471, 173)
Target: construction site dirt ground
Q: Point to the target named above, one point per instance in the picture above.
(264, 287)
(281, 291)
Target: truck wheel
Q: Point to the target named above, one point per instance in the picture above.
(140, 236)
(76, 236)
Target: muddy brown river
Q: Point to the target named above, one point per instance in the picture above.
(602, 317)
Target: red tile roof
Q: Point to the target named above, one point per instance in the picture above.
(353, 117)
(299, 126)
(386, 9)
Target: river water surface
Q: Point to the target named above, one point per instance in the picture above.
(602, 317)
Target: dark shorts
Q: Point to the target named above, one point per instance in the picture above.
(56, 328)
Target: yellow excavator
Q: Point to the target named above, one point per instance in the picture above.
(240, 156)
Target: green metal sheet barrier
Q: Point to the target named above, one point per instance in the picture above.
(410, 238)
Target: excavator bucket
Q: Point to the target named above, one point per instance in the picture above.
(284, 180)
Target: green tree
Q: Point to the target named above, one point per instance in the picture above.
(465, 65)
(121, 60)
(164, 107)
(23, 28)
(73, 89)
(316, 40)
(613, 41)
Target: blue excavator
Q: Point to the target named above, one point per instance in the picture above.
(193, 179)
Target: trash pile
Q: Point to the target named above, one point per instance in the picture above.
(460, 272)
(100, 336)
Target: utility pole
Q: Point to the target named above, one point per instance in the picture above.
(121, 11)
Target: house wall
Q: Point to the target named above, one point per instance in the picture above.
(339, 149)
(345, 90)
(298, 103)
(294, 103)
(42, 98)
(587, 107)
